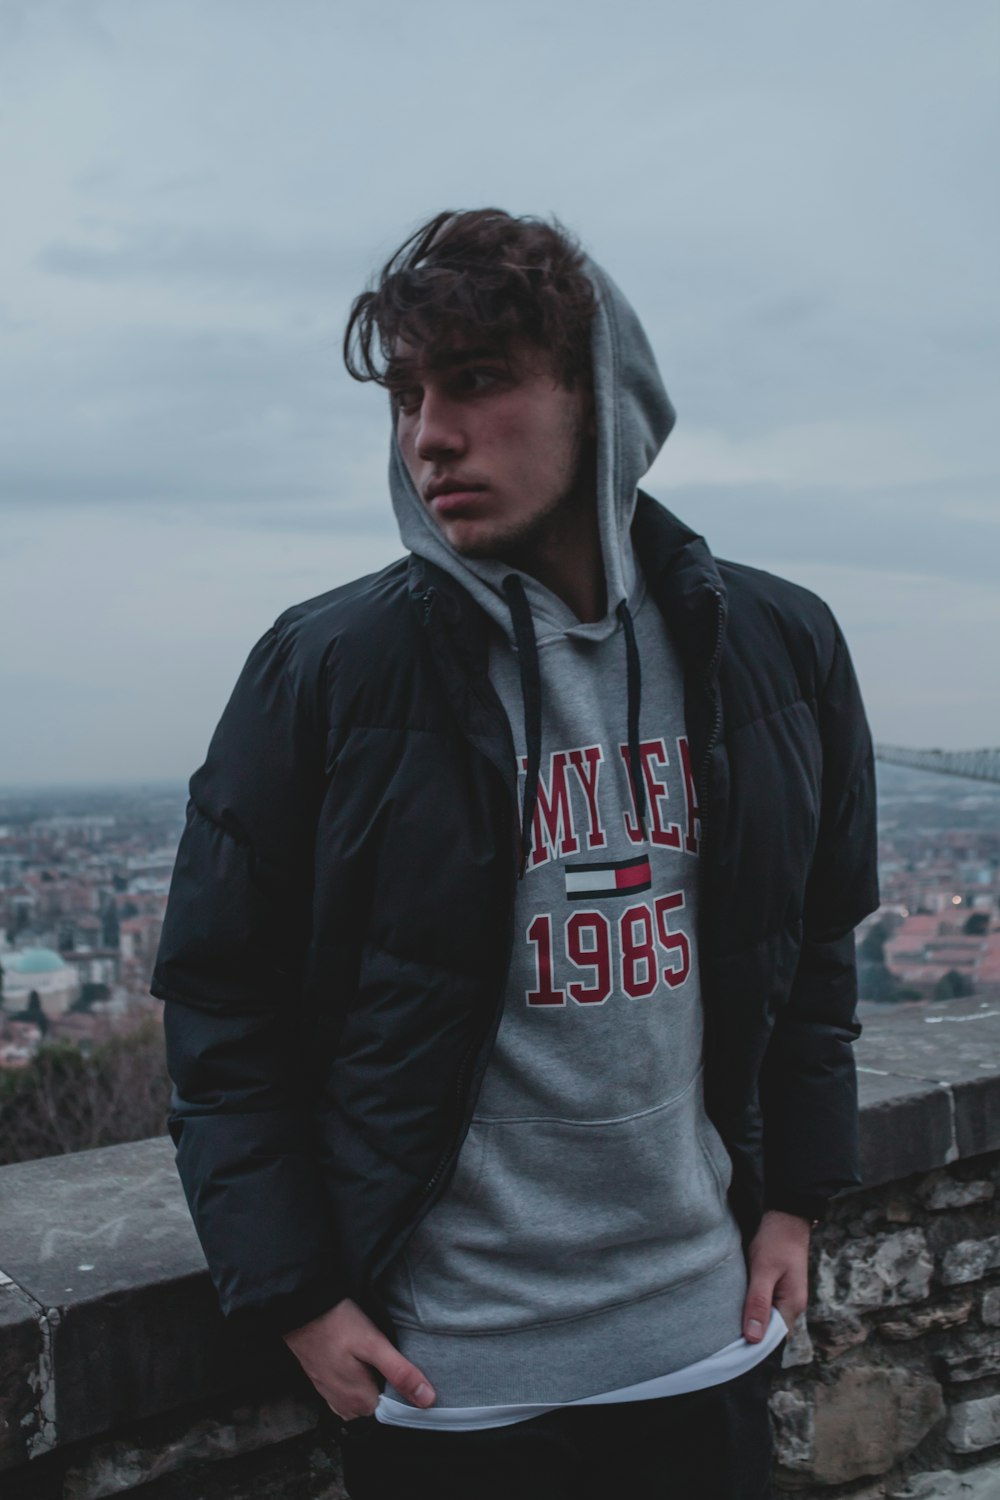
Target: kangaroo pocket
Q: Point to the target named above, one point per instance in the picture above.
(551, 1219)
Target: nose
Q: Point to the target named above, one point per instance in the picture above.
(439, 427)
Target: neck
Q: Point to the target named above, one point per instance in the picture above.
(567, 560)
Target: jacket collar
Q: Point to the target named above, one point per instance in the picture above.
(683, 577)
(681, 572)
(685, 583)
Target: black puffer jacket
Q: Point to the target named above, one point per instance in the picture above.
(339, 924)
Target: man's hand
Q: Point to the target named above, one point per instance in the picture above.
(339, 1351)
(779, 1273)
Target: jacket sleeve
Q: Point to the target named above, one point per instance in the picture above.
(228, 971)
(808, 1085)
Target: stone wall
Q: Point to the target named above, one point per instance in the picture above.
(119, 1378)
(893, 1384)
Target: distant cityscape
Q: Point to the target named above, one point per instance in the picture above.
(84, 876)
(936, 935)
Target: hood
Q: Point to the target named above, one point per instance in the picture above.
(634, 417)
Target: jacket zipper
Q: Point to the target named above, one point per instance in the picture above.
(438, 1172)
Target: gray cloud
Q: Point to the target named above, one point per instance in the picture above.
(929, 532)
(238, 260)
(796, 199)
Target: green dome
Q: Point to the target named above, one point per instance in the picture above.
(32, 961)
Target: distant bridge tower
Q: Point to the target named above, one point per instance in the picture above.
(980, 765)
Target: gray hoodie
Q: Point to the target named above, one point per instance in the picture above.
(584, 1243)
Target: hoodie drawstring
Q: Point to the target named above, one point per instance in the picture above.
(531, 695)
(634, 687)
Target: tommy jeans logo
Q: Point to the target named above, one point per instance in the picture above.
(622, 877)
(574, 803)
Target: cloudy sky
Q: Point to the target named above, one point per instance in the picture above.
(799, 198)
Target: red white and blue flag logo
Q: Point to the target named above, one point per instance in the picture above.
(621, 877)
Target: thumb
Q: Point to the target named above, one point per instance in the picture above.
(757, 1307)
(407, 1379)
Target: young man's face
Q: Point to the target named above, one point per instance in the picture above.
(496, 447)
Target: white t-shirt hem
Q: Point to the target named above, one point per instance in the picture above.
(726, 1364)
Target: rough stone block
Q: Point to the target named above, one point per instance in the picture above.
(868, 1419)
(22, 1349)
(111, 1468)
(792, 1415)
(943, 1192)
(970, 1260)
(884, 1271)
(975, 1425)
(990, 1308)
(981, 1483)
(977, 1356)
(925, 1319)
(836, 1334)
(798, 1350)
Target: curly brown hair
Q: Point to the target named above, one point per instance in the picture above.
(481, 272)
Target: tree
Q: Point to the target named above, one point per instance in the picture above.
(952, 986)
(34, 1013)
(875, 982)
(977, 924)
(872, 945)
(65, 1101)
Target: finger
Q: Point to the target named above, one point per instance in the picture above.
(786, 1312)
(399, 1372)
(357, 1397)
(757, 1307)
(791, 1308)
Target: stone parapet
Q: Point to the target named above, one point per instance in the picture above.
(119, 1377)
(897, 1372)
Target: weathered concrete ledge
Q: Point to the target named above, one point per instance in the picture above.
(118, 1375)
(929, 1086)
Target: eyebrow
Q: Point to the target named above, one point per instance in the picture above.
(401, 368)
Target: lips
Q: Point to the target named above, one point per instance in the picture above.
(453, 497)
(439, 489)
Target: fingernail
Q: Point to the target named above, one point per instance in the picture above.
(754, 1329)
(422, 1393)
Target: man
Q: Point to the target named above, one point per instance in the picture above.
(509, 961)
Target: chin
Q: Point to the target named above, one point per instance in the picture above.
(513, 547)
(476, 551)
(475, 545)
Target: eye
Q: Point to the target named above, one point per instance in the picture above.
(477, 378)
(407, 398)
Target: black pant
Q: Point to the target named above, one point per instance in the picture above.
(707, 1445)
